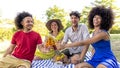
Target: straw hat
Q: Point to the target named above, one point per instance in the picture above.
(48, 24)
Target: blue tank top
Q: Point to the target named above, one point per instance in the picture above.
(102, 49)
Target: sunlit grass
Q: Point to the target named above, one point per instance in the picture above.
(115, 43)
(115, 37)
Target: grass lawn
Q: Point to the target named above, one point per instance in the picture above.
(115, 42)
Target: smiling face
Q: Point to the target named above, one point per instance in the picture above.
(27, 23)
(97, 21)
(74, 20)
(54, 26)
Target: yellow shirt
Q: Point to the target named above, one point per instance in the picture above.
(51, 53)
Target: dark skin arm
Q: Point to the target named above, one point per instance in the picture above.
(82, 55)
(9, 50)
(99, 36)
(87, 42)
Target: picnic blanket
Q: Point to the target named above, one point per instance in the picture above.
(118, 64)
(50, 64)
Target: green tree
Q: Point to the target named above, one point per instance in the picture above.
(84, 14)
(56, 12)
(40, 27)
(107, 3)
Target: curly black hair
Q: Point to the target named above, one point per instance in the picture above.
(19, 19)
(106, 15)
(75, 13)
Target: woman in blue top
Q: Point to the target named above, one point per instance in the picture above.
(101, 20)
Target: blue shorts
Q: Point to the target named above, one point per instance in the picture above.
(109, 63)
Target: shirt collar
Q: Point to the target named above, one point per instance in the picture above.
(77, 28)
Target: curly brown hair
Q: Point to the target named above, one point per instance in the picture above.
(19, 19)
(106, 15)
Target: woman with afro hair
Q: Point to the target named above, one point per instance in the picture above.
(101, 20)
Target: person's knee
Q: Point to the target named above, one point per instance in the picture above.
(80, 66)
(77, 66)
(75, 59)
(74, 62)
(101, 66)
(83, 65)
(22, 66)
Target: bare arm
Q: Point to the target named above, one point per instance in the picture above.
(59, 46)
(83, 53)
(101, 35)
(40, 46)
(9, 50)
